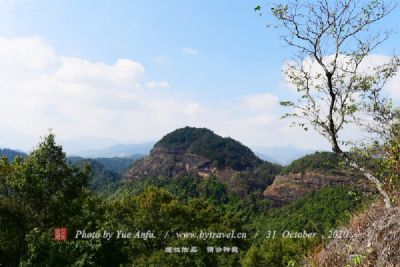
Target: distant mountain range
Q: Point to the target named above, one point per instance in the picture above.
(98, 147)
(84, 143)
(94, 147)
(11, 154)
(283, 155)
(118, 150)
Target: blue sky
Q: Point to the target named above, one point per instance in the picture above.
(199, 63)
(231, 40)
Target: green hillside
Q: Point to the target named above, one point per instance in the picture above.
(115, 164)
(106, 172)
(224, 151)
(319, 161)
(49, 190)
(320, 212)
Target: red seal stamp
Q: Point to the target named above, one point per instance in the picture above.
(60, 234)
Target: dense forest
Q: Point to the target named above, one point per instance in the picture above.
(226, 152)
(46, 190)
(105, 172)
(319, 161)
(200, 199)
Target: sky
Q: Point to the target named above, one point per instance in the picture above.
(132, 71)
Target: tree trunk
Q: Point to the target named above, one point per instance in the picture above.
(372, 178)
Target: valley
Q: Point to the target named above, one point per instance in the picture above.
(196, 181)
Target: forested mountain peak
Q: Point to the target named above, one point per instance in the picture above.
(199, 152)
(221, 151)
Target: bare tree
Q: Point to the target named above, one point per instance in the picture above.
(334, 40)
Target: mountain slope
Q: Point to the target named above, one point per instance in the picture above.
(194, 151)
(11, 154)
(326, 162)
(200, 152)
(370, 239)
(310, 173)
(105, 171)
(223, 152)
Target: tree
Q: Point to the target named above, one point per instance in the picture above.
(165, 215)
(37, 194)
(382, 153)
(337, 88)
(12, 217)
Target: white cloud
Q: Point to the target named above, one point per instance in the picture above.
(351, 132)
(158, 85)
(393, 84)
(24, 55)
(190, 51)
(77, 97)
(74, 96)
(392, 87)
(261, 102)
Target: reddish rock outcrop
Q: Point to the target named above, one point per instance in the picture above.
(163, 163)
(292, 186)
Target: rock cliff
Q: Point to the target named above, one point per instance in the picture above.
(194, 151)
(167, 163)
(292, 186)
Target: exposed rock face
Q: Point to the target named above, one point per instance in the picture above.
(371, 239)
(164, 163)
(193, 151)
(292, 186)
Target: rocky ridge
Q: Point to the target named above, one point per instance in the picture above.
(194, 152)
(371, 239)
(166, 163)
(292, 186)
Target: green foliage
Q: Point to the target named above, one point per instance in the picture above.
(105, 172)
(225, 152)
(184, 187)
(246, 182)
(357, 260)
(102, 177)
(160, 211)
(45, 191)
(248, 209)
(319, 212)
(41, 191)
(118, 165)
(43, 250)
(45, 183)
(382, 158)
(330, 46)
(319, 161)
(115, 164)
(276, 252)
(213, 190)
